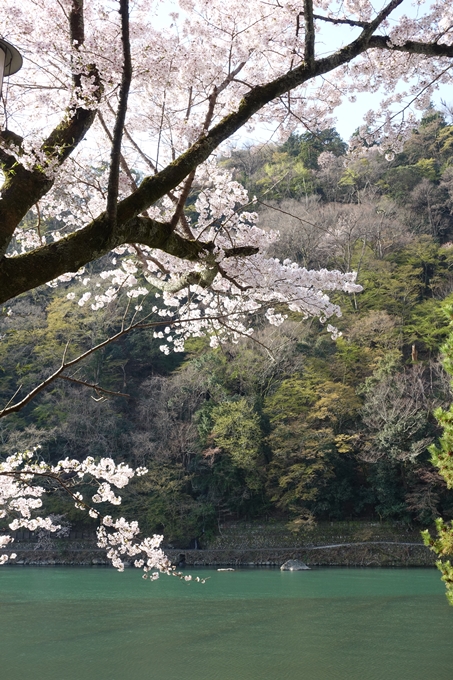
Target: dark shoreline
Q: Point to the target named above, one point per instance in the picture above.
(255, 543)
(359, 554)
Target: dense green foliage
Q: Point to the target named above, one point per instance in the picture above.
(441, 458)
(295, 425)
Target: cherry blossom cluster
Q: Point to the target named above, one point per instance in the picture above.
(24, 479)
(215, 295)
(247, 44)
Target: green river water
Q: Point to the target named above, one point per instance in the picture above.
(60, 623)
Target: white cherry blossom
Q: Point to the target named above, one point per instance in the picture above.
(21, 497)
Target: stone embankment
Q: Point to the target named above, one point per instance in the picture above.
(378, 554)
(262, 544)
(326, 544)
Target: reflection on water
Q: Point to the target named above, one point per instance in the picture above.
(327, 624)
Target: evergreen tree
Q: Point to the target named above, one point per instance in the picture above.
(442, 458)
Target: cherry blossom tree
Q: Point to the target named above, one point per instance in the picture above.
(116, 122)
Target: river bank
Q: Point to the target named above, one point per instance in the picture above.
(349, 544)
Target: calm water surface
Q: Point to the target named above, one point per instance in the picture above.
(327, 624)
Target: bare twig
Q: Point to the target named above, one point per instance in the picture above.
(207, 122)
(348, 22)
(182, 199)
(142, 324)
(143, 260)
(12, 398)
(94, 386)
(182, 218)
(7, 410)
(124, 166)
(143, 155)
(38, 224)
(285, 212)
(245, 335)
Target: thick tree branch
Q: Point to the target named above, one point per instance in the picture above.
(373, 25)
(44, 264)
(309, 51)
(431, 49)
(115, 153)
(23, 188)
(76, 33)
(93, 386)
(76, 23)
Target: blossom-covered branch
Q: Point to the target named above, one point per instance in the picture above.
(21, 490)
(233, 68)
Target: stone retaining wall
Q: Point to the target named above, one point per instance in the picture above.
(359, 543)
(363, 554)
(347, 555)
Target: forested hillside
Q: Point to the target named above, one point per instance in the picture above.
(290, 423)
